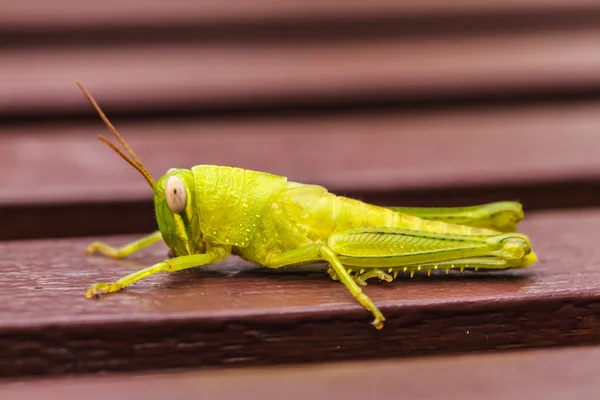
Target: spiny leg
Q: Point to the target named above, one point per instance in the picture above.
(356, 291)
(476, 264)
(213, 254)
(126, 250)
(318, 252)
(383, 247)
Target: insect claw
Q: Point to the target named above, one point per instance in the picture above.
(412, 273)
(378, 323)
(385, 277)
(360, 281)
(395, 274)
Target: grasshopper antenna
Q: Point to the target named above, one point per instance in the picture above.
(134, 161)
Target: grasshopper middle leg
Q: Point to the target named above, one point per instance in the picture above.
(318, 252)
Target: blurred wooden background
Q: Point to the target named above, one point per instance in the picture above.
(412, 102)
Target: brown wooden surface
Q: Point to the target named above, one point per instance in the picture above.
(383, 151)
(234, 314)
(545, 374)
(245, 55)
(412, 102)
(171, 76)
(36, 13)
(67, 183)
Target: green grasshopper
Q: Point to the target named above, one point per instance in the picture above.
(209, 212)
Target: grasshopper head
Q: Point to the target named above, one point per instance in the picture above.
(176, 212)
(174, 197)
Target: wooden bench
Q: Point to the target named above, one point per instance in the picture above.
(416, 103)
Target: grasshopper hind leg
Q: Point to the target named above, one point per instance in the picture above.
(502, 216)
(386, 248)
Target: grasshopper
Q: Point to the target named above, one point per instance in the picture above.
(209, 212)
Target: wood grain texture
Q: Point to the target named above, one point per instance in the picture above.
(383, 151)
(544, 374)
(153, 76)
(233, 314)
(19, 14)
(332, 62)
(70, 184)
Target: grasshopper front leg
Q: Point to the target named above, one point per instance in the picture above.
(214, 253)
(126, 250)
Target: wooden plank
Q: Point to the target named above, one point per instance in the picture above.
(173, 77)
(543, 155)
(544, 374)
(233, 315)
(70, 13)
(382, 151)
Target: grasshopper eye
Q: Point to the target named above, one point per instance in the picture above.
(176, 194)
